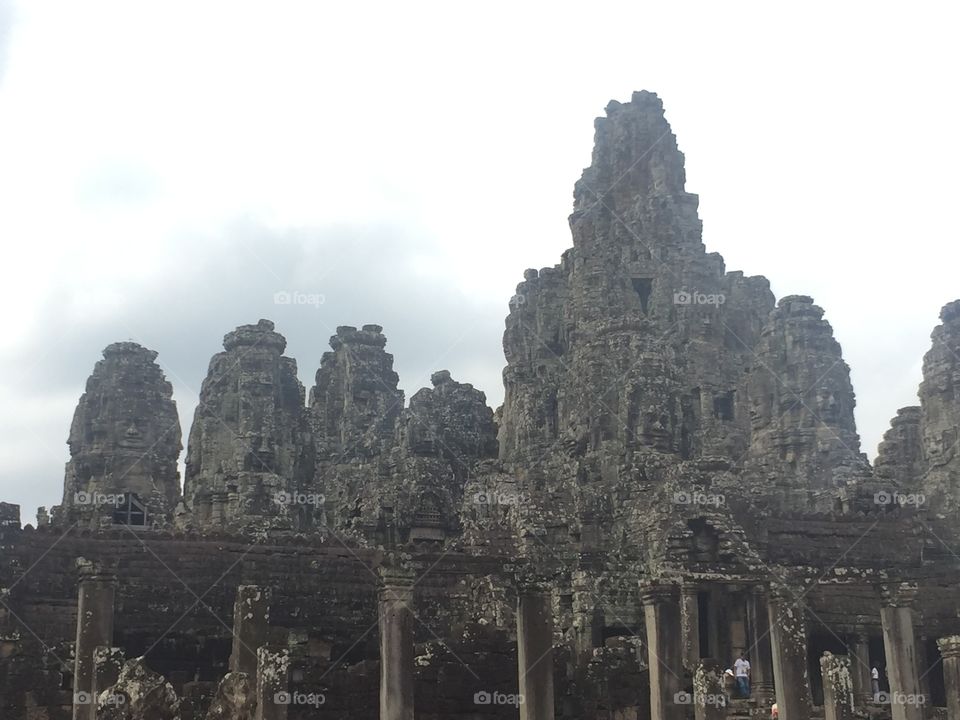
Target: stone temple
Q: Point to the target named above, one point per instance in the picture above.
(674, 479)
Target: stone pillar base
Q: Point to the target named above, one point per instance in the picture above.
(535, 655)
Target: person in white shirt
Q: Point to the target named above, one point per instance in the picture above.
(875, 681)
(741, 669)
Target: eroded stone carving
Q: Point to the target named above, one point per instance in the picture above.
(125, 438)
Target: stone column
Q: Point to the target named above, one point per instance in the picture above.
(860, 668)
(950, 652)
(272, 696)
(788, 644)
(396, 648)
(535, 654)
(899, 646)
(218, 509)
(837, 687)
(94, 627)
(761, 659)
(690, 621)
(107, 664)
(204, 510)
(661, 608)
(586, 618)
(923, 667)
(709, 700)
(251, 625)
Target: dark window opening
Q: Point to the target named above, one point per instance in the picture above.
(618, 630)
(706, 541)
(703, 622)
(931, 666)
(723, 406)
(878, 659)
(597, 624)
(130, 512)
(180, 657)
(643, 287)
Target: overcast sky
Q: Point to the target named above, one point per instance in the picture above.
(166, 168)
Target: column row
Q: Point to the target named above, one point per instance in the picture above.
(670, 617)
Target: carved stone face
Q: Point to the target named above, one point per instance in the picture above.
(132, 438)
(125, 434)
(657, 431)
(121, 429)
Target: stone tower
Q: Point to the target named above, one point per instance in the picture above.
(804, 449)
(940, 413)
(248, 452)
(124, 441)
(640, 358)
(919, 453)
(355, 402)
(639, 339)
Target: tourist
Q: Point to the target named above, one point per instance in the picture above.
(741, 668)
(875, 682)
(728, 683)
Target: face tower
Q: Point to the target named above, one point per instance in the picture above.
(124, 442)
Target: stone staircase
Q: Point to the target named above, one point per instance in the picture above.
(740, 709)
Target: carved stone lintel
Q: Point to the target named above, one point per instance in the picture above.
(654, 593)
(949, 646)
(396, 583)
(902, 595)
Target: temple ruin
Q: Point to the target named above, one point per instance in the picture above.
(674, 479)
